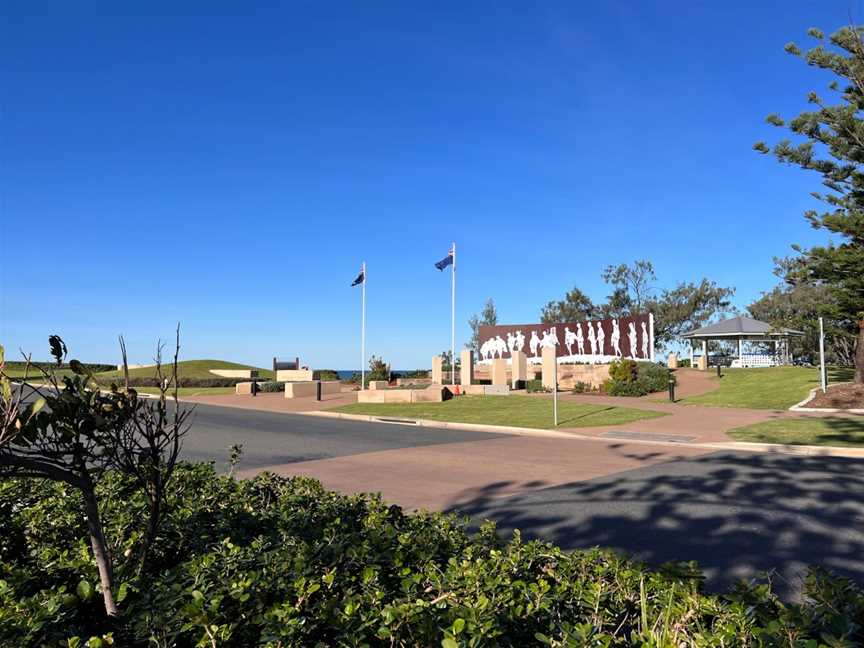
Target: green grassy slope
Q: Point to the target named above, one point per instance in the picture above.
(769, 388)
(187, 369)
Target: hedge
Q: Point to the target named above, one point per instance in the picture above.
(93, 367)
(278, 561)
(152, 381)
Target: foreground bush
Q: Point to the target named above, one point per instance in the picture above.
(283, 562)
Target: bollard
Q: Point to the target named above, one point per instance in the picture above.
(719, 375)
(671, 390)
(318, 391)
(254, 388)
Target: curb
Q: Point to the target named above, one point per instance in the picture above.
(799, 407)
(741, 446)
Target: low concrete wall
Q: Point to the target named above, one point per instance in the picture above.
(594, 375)
(378, 384)
(244, 388)
(307, 389)
(293, 375)
(234, 373)
(135, 366)
(434, 394)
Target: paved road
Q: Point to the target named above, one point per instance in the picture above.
(736, 513)
(271, 439)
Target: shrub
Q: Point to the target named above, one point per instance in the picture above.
(271, 387)
(582, 387)
(535, 386)
(325, 374)
(282, 562)
(152, 381)
(630, 378)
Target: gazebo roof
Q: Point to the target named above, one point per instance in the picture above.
(739, 326)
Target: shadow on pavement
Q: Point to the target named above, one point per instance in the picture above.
(737, 514)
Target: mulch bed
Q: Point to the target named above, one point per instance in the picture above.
(840, 397)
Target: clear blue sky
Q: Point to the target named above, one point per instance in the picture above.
(229, 165)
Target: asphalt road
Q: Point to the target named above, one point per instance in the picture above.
(269, 439)
(737, 514)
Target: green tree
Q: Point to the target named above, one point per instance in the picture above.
(575, 307)
(487, 317)
(685, 307)
(832, 144)
(797, 304)
(633, 285)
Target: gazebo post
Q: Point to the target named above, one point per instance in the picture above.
(705, 352)
(690, 344)
(740, 355)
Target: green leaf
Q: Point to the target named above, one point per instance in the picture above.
(449, 643)
(84, 590)
(458, 626)
(94, 642)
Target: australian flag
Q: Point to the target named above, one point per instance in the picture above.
(360, 278)
(446, 261)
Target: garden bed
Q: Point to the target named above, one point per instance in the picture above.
(845, 396)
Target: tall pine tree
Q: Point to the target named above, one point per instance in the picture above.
(833, 146)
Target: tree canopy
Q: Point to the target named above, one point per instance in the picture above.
(487, 317)
(831, 143)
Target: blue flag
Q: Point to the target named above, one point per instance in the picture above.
(446, 261)
(360, 279)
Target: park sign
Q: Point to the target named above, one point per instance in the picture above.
(590, 341)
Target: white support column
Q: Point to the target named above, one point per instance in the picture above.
(651, 334)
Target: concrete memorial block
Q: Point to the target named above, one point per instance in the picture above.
(702, 363)
(243, 388)
(378, 384)
(310, 388)
(293, 375)
(437, 370)
(499, 371)
(496, 390)
(466, 372)
(549, 368)
(672, 362)
(519, 370)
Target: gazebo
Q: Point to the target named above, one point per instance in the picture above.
(745, 330)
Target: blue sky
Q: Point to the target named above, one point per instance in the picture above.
(229, 165)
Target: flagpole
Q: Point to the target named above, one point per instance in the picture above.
(453, 320)
(363, 332)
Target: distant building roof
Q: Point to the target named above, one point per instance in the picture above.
(739, 326)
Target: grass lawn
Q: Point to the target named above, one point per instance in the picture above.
(519, 411)
(822, 431)
(769, 388)
(186, 368)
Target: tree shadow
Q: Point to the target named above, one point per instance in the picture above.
(739, 515)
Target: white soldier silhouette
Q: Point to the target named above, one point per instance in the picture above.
(645, 353)
(601, 339)
(511, 342)
(631, 335)
(550, 339)
(533, 343)
(592, 339)
(616, 338)
(484, 350)
(580, 340)
(500, 346)
(569, 339)
(520, 340)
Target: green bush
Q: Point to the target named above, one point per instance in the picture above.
(283, 562)
(271, 387)
(631, 378)
(325, 374)
(535, 386)
(152, 381)
(582, 387)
